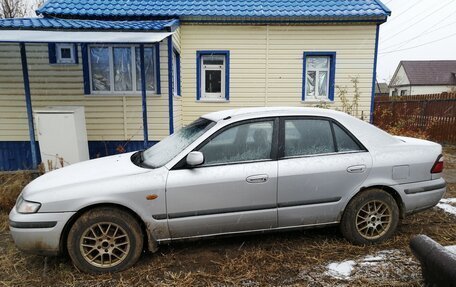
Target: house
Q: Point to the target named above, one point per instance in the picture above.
(381, 89)
(142, 69)
(423, 77)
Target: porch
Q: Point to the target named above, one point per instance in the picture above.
(129, 124)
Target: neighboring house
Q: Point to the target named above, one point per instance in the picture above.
(423, 77)
(196, 57)
(381, 89)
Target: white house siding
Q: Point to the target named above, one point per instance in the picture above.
(107, 117)
(425, 90)
(421, 90)
(266, 62)
(400, 79)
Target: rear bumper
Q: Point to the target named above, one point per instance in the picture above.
(38, 233)
(421, 195)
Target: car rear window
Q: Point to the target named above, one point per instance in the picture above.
(344, 141)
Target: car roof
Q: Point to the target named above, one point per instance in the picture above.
(270, 111)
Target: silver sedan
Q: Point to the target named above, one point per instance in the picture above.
(230, 172)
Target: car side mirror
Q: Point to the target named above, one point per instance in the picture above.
(195, 158)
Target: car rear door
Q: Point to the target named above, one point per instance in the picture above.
(320, 164)
(234, 190)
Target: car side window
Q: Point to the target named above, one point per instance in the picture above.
(245, 142)
(344, 141)
(308, 137)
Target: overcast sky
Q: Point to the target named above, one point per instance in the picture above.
(429, 24)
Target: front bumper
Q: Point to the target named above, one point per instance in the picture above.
(38, 233)
(418, 196)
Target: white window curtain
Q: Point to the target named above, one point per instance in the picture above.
(112, 71)
(317, 77)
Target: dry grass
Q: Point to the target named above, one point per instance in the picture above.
(278, 259)
(11, 185)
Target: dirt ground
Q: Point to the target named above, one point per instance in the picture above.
(317, 257)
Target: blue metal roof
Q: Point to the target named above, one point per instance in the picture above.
(216, 8)
(59, 24)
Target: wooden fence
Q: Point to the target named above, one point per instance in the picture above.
(431, 115)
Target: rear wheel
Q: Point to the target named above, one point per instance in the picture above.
(105, 240)
(371, 217)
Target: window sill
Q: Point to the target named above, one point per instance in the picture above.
(121, 95)
(317, 101)
(212, 101)
(64, 64)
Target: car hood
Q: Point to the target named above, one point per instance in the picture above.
(83, 172)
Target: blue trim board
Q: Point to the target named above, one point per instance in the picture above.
(76, 56)
(143, 95)
(170, 85)
(374, 75)
(106, 148)
(85, 68)
(52, 53)
(157, 69)
(284, 22)
(199, 54)
(28, 104)
(178, 72)
(16, 155)
(332, 72)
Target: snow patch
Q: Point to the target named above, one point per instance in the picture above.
(445, 205)
(341, 270)
(448, 200)
(345, 269)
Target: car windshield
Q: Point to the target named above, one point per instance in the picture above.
(162, 152)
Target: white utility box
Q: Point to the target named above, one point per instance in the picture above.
(62, 135)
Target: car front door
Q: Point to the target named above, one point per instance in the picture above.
(234, 190)
(320, 164)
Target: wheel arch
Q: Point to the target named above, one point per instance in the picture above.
(149, 242)
(394, 193)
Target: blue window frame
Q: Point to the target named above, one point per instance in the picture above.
(101, 61)
(318, 76)
(213, 75)
(63, 53)
(176, 73)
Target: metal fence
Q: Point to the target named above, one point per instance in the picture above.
(434, 115)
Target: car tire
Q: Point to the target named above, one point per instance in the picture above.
(371, 217)
(105, 240)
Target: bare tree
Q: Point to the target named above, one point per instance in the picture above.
(18, 8)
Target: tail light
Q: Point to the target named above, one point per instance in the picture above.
(438, 165)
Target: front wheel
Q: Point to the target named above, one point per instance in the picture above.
(371, 217)
(105, 240)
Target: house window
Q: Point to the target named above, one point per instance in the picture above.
(319, 71)
(213, 75)
(176, 74)
(403, 92)
(65, 54)
(117, 69)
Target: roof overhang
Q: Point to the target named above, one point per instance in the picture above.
(42, 30)
(68, 36)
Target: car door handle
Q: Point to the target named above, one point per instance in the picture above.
(259, 178)
(356, 168)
